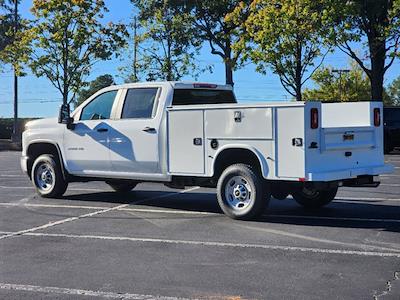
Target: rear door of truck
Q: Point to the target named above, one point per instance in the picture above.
(343, 140)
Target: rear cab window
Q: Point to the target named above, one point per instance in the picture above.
(202, 96)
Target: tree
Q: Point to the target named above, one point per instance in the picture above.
(168, 44)
(346, 87)
(351, 86)
(287, 37)
(94, 86)
(393, 91)
(15, 47)
(220, 32)
(70, 39)
(15, 37)
(376, 23)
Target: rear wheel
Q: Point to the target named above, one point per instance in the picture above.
(122, 187)
(242, 193)
(314, 198)
(47, 177)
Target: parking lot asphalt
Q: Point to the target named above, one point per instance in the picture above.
(159, 243)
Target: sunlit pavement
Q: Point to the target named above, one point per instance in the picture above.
(173, 244)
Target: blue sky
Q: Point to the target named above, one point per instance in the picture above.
(38, 98)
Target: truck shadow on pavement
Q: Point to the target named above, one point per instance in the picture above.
(341, 214)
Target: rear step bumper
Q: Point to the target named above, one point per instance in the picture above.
(350, 173)
(361, 181)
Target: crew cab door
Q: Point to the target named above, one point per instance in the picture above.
(86, 146)
(134, 142)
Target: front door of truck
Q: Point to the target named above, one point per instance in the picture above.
(86, 146)
(134, 142)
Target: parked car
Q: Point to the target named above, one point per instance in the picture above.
(391, 127)
(196, 134)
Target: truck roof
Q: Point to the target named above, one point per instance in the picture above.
(178, 85)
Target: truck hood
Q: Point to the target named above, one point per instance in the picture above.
(42, 123)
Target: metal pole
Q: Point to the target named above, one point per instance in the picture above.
(135, 49)
(15, 135)
(340, 71)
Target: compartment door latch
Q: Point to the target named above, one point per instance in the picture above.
(297, 142)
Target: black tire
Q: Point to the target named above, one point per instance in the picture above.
(47, 177)
(313, 198)
(254, 199)
(122, 187)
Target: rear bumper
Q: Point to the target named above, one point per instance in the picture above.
(349, 173)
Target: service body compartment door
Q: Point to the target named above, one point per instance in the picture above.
(186, 141)
(290, 142)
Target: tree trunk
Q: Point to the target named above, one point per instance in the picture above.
(15, 134)
(377, 46)
(228, 63)
(228, 73)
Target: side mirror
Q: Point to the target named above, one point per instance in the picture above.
(64, 116)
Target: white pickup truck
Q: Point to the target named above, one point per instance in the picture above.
(196, 134)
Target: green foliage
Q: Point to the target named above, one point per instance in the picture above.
(287, 37)
(332, 87)
(220, 32)
(375, 24)
(168, 44)
(347, 87)
(94, 86)
(15, 42)
(70, 39)
(393, 91)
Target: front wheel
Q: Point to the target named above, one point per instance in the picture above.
(47, 177)
(314, 198)
(242, 194)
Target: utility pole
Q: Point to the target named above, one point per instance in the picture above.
(135, 45)
(15, 135)
(340, 72)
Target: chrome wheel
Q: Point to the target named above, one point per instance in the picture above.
(238, 193)
(44, 177)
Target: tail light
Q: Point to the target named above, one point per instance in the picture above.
(314, 118)
(377, 117)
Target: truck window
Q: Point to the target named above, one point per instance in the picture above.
(202, 96)
(99, 107)
(139, 103)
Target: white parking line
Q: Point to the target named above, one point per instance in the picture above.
(80, 292)
(366, 199)
(145, 210)
(51, 224)
(69, 189)
(334, 218)
(390, 184)
(364, 247)
(219, 244)
(177, 211)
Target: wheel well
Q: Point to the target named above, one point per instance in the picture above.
(233, 156)
(37, 149)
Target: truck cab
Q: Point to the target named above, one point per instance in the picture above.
(183, 134)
